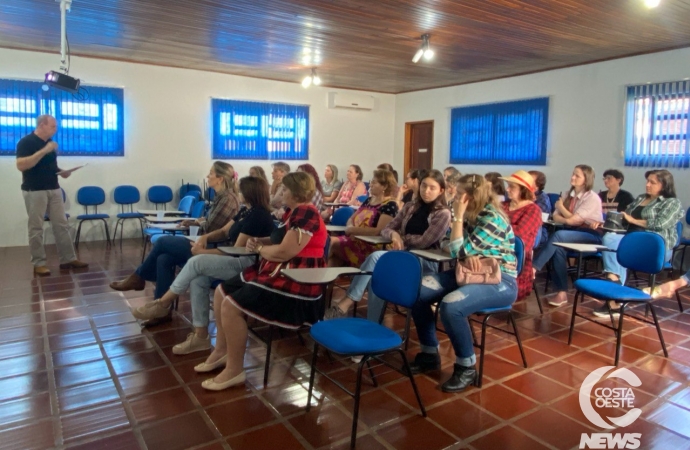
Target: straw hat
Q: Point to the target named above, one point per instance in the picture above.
(522, 178)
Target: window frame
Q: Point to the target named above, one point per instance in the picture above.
(495, 108)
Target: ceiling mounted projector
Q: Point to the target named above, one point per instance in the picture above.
(62, 81)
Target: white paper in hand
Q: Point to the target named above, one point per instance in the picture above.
(72, 169)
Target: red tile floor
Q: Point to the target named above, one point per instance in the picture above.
(77, 371)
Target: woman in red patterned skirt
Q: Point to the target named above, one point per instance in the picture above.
(262, 291)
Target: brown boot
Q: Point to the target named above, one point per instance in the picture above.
(132, 283)
(76, 264)
(41, 271)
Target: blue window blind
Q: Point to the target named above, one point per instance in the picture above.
(500, 133)
(257, 130)
(91, 125)
(656, 132)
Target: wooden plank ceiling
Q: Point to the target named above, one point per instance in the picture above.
(359, 44)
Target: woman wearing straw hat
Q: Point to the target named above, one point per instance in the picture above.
(525, 218)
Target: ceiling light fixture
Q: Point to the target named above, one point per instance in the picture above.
(313, 78)
(424, 50)
(651, 3)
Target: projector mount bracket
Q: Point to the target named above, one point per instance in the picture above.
(65, 6)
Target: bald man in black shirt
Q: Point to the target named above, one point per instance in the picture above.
(37, 160)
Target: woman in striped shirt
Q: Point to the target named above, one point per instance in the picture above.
(480, 229)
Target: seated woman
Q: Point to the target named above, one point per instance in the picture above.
(258, 172)
(263, 292)
(451, 171)
(353, 188)
(452, 181)
(541, 198)
(480, 229)
(388, 167)
(280, 169)
(496, 185)
(525, 219)
(409, 190)
(658, 210)
(330, 185)
(614, 199)
(173, 251)
(317, 199)
(253, 220)
(420, 225)
(370, 219)
(578, 209)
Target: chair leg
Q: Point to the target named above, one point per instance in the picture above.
(517, 337)
(572, 319)
(358, 390)
(680, 303)
(478, 383)
(536, 294)
(619, 334)
(406, 364)
(311, 375)
(658, 329)
(117, 223)
(107, 233)
(76, 238)
(372, 374)
(269, 345)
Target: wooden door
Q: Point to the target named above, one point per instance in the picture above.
(419, 145)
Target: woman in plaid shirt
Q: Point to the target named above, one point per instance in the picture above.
(658, 210)
(421, 224)
(480, 230)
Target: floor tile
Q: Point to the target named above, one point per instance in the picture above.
(36, 436)
(25, 409)
(77, 355)
(81, 373)
(93, 421)
(501, 401)
(378, 408)
(463, 418)
(267, 437)
(415, 433)
(322, 425)
(537, 387)
(137, 362)
(122, 441)
(507, 437)
(553, 428)
(87, 395)
(237, 415)
(179, 433)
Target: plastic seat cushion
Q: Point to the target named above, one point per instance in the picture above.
(486, 311)
(354, 336)
(92, 216)
(608, 290)
(153, 231)
(130, 215)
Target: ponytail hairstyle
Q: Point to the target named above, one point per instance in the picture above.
(588, 172)
(480, 193)
(227, 172)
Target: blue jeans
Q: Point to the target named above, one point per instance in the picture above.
(361, 283)
(457, 303)
(560, 255)
(611, 265)
(159, 266)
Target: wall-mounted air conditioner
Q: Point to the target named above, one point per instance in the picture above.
(351, 101)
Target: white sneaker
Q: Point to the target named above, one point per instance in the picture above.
(357, 359)
(192, 344)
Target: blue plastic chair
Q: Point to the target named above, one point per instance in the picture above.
(676, 247)
(91, 196)
(366, 185)
(210, 194)
(160, 195)
(396, 279)
(362, 198)
(126, 196)
(638, 251)
(186, 205)
(190, 189)
(46, 216)
(341, 216)
(198, 210)
(488, 312)
(553, 198)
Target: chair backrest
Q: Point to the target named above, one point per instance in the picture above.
(126, 195)
(160, 194)
(198, 209)
(519, 254)
(362, 198)
(327, 248)
(537, 239)
(687, 217)
(64, 196)
(679, 233)
(397, 278)
(642, 251)
(188, 188)
(91, 196)
(366, 185)
(186, 204)
(553, 198)
(210, 194)
(194, 194)
(341, 216)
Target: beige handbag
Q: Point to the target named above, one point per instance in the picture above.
(489, 273)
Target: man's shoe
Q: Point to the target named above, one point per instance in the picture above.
(151, 310)
(76, 264)
(132, 283)
(425, 362)
(603, 311)
(192, 344)
(41, 271)
(461, 378)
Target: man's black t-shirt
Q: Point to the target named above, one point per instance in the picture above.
(254, 222)
(42, 176)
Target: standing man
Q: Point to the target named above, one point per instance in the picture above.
(37, 161)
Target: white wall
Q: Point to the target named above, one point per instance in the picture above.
(168, 130)
(586, 115)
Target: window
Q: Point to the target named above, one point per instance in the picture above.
(500, 133)
(657, 125)
(92, 126)
(256, 130)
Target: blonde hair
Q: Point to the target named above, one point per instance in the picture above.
(480, 193)
(227, 172)
(386, 179)
(260, 171)
(334, 170)
(301, 185)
